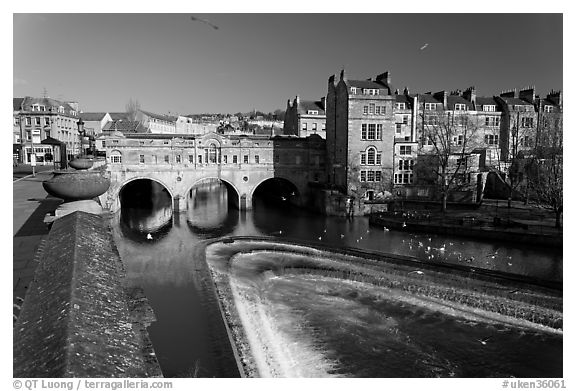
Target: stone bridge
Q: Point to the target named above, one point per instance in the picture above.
(242, 163)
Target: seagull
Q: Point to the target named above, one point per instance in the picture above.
(149, 237)
(424, 46)
(416, 271)
(196, 19)
(341, 236)
(484, 340)
(319, 237)
(403, 224)
(386, 229)
(509, 264)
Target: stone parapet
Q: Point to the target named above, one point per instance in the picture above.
(78, 318)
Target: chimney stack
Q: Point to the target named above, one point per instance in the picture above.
(384, 78)
(528, 94)
(470, 94)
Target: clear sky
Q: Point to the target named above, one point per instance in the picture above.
(171, 63)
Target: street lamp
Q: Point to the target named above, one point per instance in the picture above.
(81, 134)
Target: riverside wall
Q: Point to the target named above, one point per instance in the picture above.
(79, 319)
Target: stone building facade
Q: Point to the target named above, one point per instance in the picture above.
(304, 118)
(37, 119)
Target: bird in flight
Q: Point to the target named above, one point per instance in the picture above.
(196, 19)
(424, 46)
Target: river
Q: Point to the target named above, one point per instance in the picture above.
(156, 244)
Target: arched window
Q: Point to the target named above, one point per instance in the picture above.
(116, 157)
(212, 153)
(371, 156)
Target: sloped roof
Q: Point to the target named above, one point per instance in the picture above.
(167, 118)
(401, 98)
(306, 105)
(482, 100)
(453, 99)
(48, 102)
(125, 126)
(366, 84)
(92, 116)
(118, 115)
(428, 98)
(17, 103)
(515, 101)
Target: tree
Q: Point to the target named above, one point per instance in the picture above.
(544, 169)
(132, 108)
(445, 158)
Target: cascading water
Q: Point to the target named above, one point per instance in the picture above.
(342, 327)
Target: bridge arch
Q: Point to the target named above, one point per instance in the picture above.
(136, 178)
(233, 191)
(286, 189)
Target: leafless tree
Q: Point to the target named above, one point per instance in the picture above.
(444, 155)
(544, 168)
(132, 108)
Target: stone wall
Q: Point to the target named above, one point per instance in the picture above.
(78, 318)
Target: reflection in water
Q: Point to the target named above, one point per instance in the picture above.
(165, 267)
(208, 215)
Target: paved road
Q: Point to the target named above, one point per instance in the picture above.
(30, 204)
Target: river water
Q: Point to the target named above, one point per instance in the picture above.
(161, 264)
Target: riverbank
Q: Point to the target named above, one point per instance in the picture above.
(263, 335)
(493, 221)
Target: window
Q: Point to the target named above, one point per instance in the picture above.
(363, 158)
(371, 131)
(403, 178)
(492, 121)
(429, 106)
(225, 159)
(547, 109)
(178, 159)
(405, 165)
(491, 139)
(430, 120)
(525, 141)
(459, 107)
(364, 127)
(527, 122)
(371, 108)
(245, 158)
(459, 140)
(235, 159)
(166, 158)
(46, 121)
(37, 121)
(199, 159)
(304, 126)
(379, 131)
(313, 112)
(405, 150)
(314, 126)
(353, 90)
(371, 156)
(141, 159)
(191, 159)
(378, 177)
(405, 119)
(365, 110)
(28, 121)
(370, 176)
(398, 128)
(256, 159)
(378, 158)
(363, 176)
(401, 106)
(489, 107)
(323, 126)
(115, 159)
(103, 143)
(371, 91)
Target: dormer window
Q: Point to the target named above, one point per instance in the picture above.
(371, 91)
(547, 109)
(429, 106)
(61, 109)
(38, 107)
(353, 90)
(459, 107)
(313, 112)
(489, 107)
(401, 106)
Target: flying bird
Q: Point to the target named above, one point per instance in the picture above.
(149, 237)
(196, 19)
(484, 340)
(424, 47)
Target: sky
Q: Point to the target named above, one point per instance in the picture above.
(181, 63)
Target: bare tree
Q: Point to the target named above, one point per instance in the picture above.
(544, 169)
(444, 156)
(132, 108)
